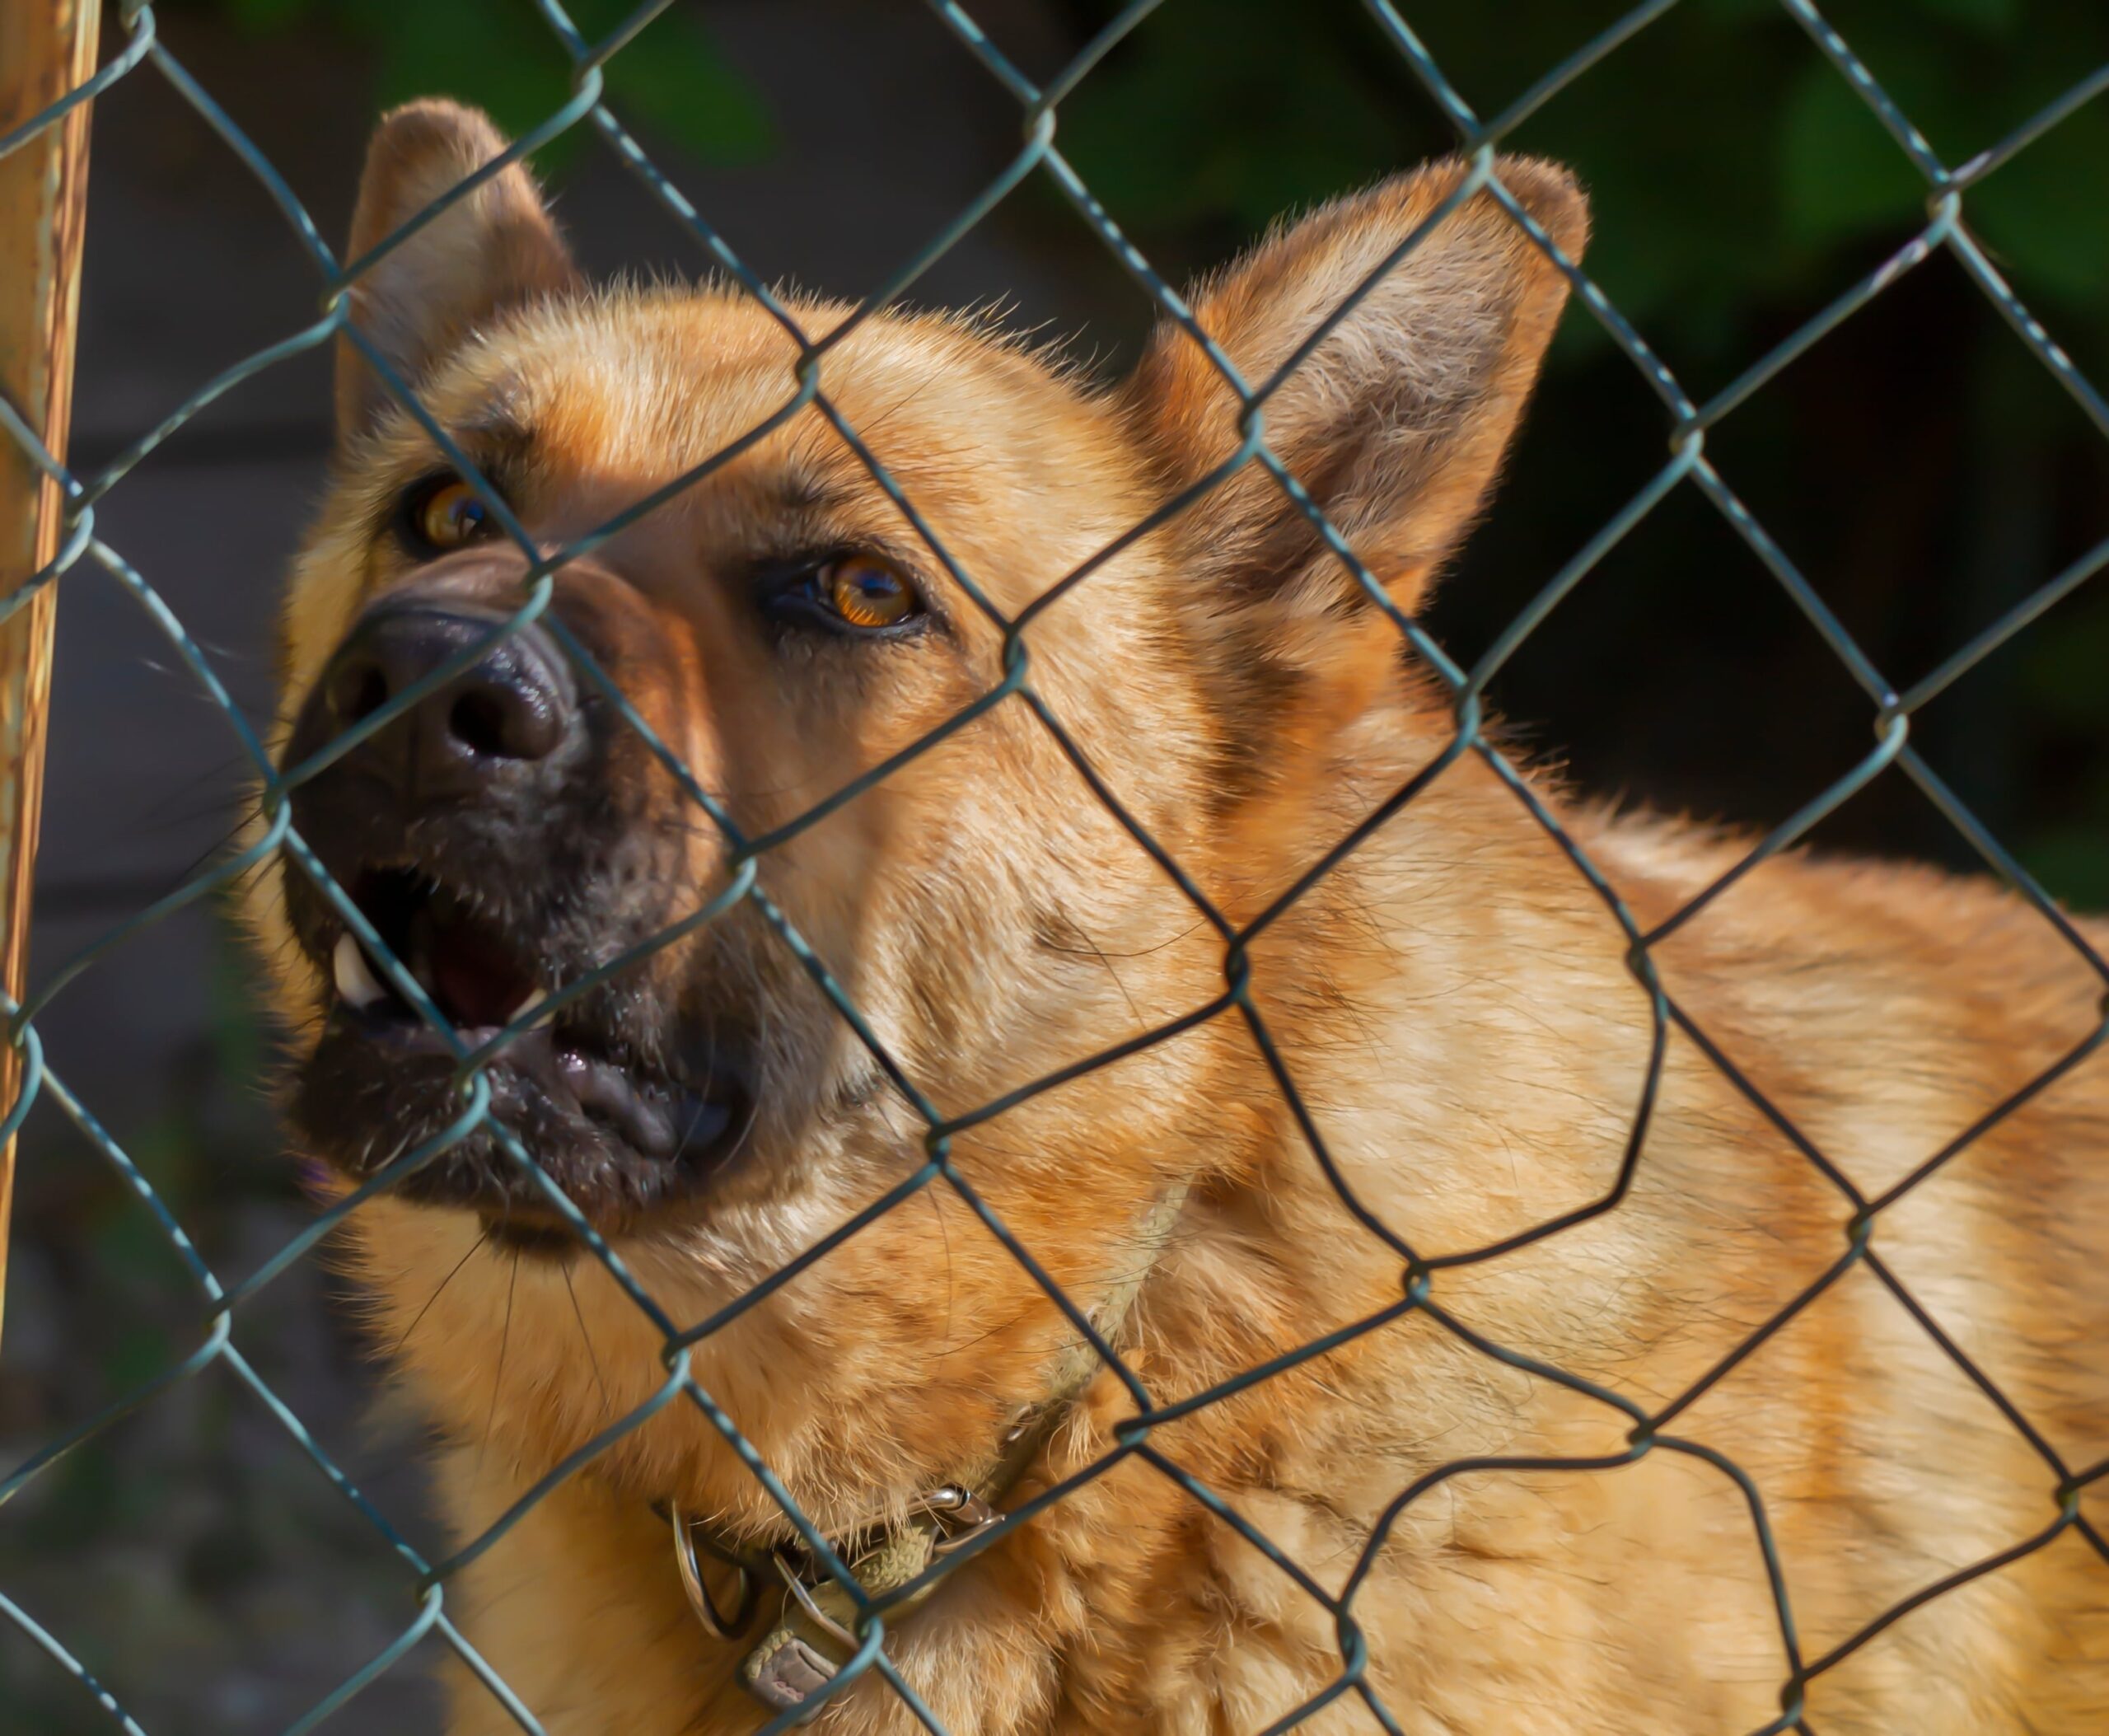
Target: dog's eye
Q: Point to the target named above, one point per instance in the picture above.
(444, 513)
(864, 593)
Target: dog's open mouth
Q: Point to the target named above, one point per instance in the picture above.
(619, 1134)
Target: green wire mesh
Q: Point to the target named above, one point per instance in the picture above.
(425, 1582)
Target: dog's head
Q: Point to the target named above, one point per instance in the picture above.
(785, 628)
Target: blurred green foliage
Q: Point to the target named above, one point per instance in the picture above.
(500, 56)
(1219, 116)
(1215, 115)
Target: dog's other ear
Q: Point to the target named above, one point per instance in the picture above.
(494, 248)
(1397, 420)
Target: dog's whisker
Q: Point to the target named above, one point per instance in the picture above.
(695, 1120)
(504, 1342)
(585, 1338)
(397, 1350)
(1098, 953)
(945, 1234)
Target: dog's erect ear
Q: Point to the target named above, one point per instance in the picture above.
(1397, 420)
(494, 248)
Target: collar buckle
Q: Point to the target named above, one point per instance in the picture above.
(956, 1515)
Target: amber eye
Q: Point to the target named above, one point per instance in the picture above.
(445, 513)
(866, 592)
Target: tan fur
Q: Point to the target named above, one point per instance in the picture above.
(1452, 1002)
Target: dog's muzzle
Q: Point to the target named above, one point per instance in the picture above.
(498, 835)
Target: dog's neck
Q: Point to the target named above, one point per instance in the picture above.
(815, 1636)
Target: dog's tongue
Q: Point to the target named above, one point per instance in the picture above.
(473, 979)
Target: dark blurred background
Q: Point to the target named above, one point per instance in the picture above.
(1919, 465)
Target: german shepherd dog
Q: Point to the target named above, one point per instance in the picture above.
(1452, 1002)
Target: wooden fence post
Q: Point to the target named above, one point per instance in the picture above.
(46, 47)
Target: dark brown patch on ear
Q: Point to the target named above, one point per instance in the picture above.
(1397, 420)
(1247, 715)
(493, 249)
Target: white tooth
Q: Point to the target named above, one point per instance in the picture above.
(534, 999)
(355, 979)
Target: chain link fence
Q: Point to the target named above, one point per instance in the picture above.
(224, 1299)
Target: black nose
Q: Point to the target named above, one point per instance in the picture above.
(515, 706)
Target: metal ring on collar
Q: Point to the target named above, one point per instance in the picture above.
(716, 1622)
